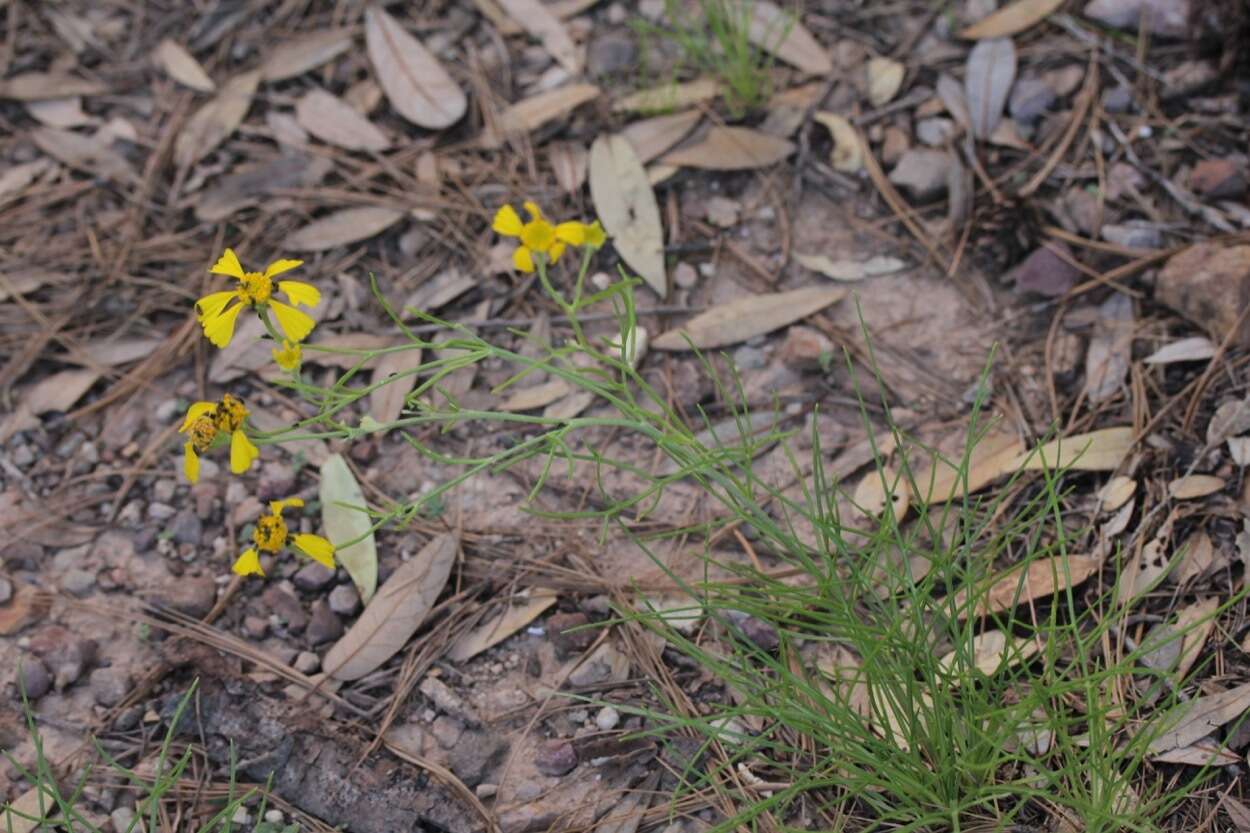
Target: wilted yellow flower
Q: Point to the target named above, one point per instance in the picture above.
(538, 235)
(255, 290)
(204, 422)
(271, 535)
(288, 356)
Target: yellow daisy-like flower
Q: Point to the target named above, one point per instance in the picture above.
(288, 356)
(538, 236)
(256, 290)
(595, 235)
(204, 422)
(271, 535)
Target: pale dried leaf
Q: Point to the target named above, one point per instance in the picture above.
(880, 489)
(1145, 569)
(532, 113)
(1195, 621)
(570, 162)
(344, 341)
(1117, 492)
(1119, 521)
(344, 514)
(26, 812)
(536, 19)
(502, 625)
(537, 396)
(85, 153)
(850, 270)
(114, 352)
(1239, 450)
(744, 318)
(395, 613)
(439, 291)
(670, 96)
(245, 353)
(216, 120)
(350, 225)
(990, 72)
(1237, 812)
(34, 86)
(1010, 19)
(59, 112)
(57, 392)
(993, 456)
(1101, 450)
(953, 98)
(1191, 721)
(1194, 349)
(1196, 558)
(1042, 578)
(415, 83)
(335, 122)
(848, 151)
(15, 179)
(295, 56)
(651, 137)
(1232, 419)
(387, 402)
(249, 184)
(779, 33)
(731, 149)
(1194, 486)
(993, 651)
(1205, 752)
(625, 204)
(885, 78)
(180, 65)
(1110, 349)
(25, 282)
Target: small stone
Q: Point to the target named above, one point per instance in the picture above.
(935, 132)
(255, 627)
(161, 511)
(23, 456)
(1162, 18)
(165, 410)
(723, 212)
(923, 173)
(759, 633)
(1218, 179)
(123, 820)
(685, 276)
(894, 145)
(749, 358)
(1046, 272)
(163, 490)
(344, 600)
(277, 481)
(109, 686)
(1030, 98)
(1134, 234)
(652, 10)
(606, 664)
(205, 495)
(617, 14)
(33, 678)
(186, 527)
(323, 625)
(313, 577)
(286, 607)
(611, 54)
(567, 641)
(1210, 285)
(6, 590)
(607, 719)
(241, 816)
(486, 790)
(236, 492)
(193, 595)
(66, 655)
(1117, 100)
(78, 582)
(306, 662)
(274, 816)
(555, 758)
(447, 731)
(475, 756)
(247, 511)
(806, 347)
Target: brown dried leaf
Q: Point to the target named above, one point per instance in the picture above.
(885, 77)
(627, 208)
(387, 402)
(1196, 621)
(1145, 569)
(848, 152)
(216, 120)
(27, 607)
(249, 184)
(501, 626)
(1118, 491)
(59, 112)
(651, 137)
(344, 516)
(570, 162)
(1101, 450)
(995, 455)
(1197, 556)
(1110, 349)
(28, 811)
(532, 113)
(850, 270)
(335, 122)
(779, 33)
(670, 96)
(1196, 349)
(1011, 19)
(536, 19)
(16, 178)
(1195, 485)
(1237, 812)
(180, 65)
(1231, 419)
(85, 153)
(1043, 577)
(395, 613)
(883, 488)
(1191, 721)
(349, 225)
(993, 651)
(57, 392)
(745, 318)
(990, 72)
(34, 86)
(414, 81)
(731, 149)
(538, 396)
(300, 54)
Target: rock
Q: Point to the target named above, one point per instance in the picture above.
(313, 577)
(33, 678)
(759, 633)
(935, 132)
(286, 607)
(1165, 18)
(109, 686)
(567, 641)
(277, 481)
(1218, 179)
(606, 664)
(723, 212)
(123, 820)
(306, 662)
(444, 699)
(247, 511)
(894, 145)
(186, 527)
(555, 758)
(163, 490)
(611, 54)
(1030, 98)
(78, 582)
(344, 600)
(806, 348)
(66, 655)
(447, 731)
(1046, 272)
(747, 357)
(1117, 99)
(1133, 234)
(607, 719)
(275, 817)
(324, 626)
(161, 511)
(1209, 285)
(192, 595)
(685, 276)
(6, 590)
(475, 756)
(923, 173)
(255, 627)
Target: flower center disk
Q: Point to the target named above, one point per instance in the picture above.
(255, 288)
(270, 534)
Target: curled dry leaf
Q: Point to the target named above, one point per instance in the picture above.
(850, 270)
(35, 86)
(1101, 450)
(627, 208)
(180, 65)
(395, 613)
(536, 19)
(1195, 621)
(1196, 349)
(537, 396)
(214, 122)
(387, 402)
(249, 184)
(993, 651)
(415, 83)
(1118, 491)
(1043, 577)
(884, 77)
(335, 122)
(295, 56)
(532, 113)
(990, 72)
(669, 96)
(1195, 485)
(744, 318)
(502, 625)
(731, 149)
(345, 518)
(350, 225)
(59, 112)
(848, 152)
(1010, 19)
(779, 33)
(651, 137)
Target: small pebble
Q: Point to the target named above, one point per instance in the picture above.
(344, 600)
(241, 816)
(685, 276)
(163, 490)
(607, 719)
(274, 816)
(555, 758)
(122, 819)
(109, 686)
(313, 577)
(323, 625)
(255, 627)
(161, 511)
(78, 582)
(33, 679)
(6, 590)
(306, 662)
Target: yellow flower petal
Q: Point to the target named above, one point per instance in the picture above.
(228, 264)
(288, 356)
(298, 292)
(210, 306)
(295, 323)
(523, 260)
(220, 330)
(555, 251)
(197, 410)
(572, 233)
(595, 235)
(248, 564)
(276, 506)
(534, 211)
(538, 235)
(316, 548)
(280, 266)
(242, 452)
(507, 222)
(190, 463)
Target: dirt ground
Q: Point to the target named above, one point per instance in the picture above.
(1104, 218)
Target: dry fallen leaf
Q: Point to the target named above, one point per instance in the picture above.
(335, 122)
(536, 19)
(1196, 557)
(532, 113)
(1043, 577)
(395, 613)
(1143, 571)
(1196, 349)
(781, 34)
(1232, 419)
(570, 162)
(1101, 450)
(847, 155)
(885, 77)
(57, 392)
(85, 153)
(1118, 491)
(993, 456)
(731, 149)
(387, 402)
(1195, 485)
(879, 489)
(27, 812)
(60, 112)
(850, 270)
(344, 516)
(181, 66)
(216, 120)
(1239, 450)
(1010, 19)
(1195, 621)
(625, 204)
(34, 86)
(651, 137)
(414, 81)
(669, 96)
(990, 72)
(537, 396)
(747, 317)
(1193, 720)
(247, 185)
(1110, 349)
(295, 56)
(349, 225)
(993, 651)
(499, 627)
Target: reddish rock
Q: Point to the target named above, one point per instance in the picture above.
(1210, 285)
(806, 348)
(556, 758)
(1046, 271)
(567, 641)
(1218, 179)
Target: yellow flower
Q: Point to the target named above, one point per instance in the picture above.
(271, 535)
(537, 236)
(595, 235)
(256, 290)
(288, 356)
(204, 422)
